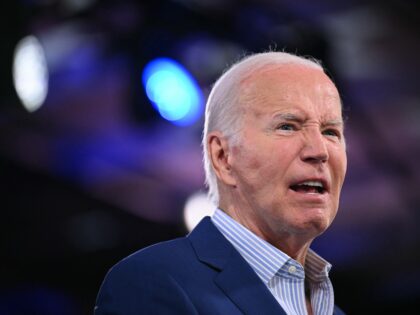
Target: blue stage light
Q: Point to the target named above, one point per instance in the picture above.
(173, 91)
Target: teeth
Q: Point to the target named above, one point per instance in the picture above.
(312, 183)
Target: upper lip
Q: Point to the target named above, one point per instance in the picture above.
(325, 183)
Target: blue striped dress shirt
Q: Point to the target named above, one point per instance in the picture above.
(284, 276)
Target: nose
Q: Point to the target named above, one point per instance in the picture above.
(315, 148)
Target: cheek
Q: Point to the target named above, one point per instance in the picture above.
(258, 160)
(251, 167)
(254, 164)
(344, 164)
(343, 168)
(339, 165)
(248, 157)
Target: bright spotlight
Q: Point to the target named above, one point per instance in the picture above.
(173, 91)
(197, 207)
(30, 73)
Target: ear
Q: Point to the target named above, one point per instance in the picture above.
(220, 157)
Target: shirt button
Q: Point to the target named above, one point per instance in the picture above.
(292, 269)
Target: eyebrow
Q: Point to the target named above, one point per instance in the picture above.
(334, 122)
(299, 119)
(289, 117)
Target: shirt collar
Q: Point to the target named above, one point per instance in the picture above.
(265, 259)
(316, 267)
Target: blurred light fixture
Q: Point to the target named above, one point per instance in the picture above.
(75, 6)
(173, 91)
(30, 73)
(218, 5)
(206, 57)
(197, 207)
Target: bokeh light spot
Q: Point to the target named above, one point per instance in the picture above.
(196, 208)
(30, 73)
(173, 91)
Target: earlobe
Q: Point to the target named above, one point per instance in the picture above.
(219, 154)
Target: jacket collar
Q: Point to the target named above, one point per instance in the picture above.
(235, 278)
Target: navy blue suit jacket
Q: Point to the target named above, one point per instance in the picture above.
(198, 274)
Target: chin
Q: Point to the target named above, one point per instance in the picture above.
(313, 226)
(319, 226)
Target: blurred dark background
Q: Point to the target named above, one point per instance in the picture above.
(96, 173)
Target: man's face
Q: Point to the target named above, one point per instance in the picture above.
(290, 162)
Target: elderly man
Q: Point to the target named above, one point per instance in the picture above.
(275, 162)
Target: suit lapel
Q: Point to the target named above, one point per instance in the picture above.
(235, 278)
(246, 289)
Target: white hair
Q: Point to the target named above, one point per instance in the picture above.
(223, 114)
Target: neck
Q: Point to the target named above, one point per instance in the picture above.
(296, 250)
(295, 245)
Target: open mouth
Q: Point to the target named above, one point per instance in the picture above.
(309, 187)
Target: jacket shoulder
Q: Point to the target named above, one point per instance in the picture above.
(157, 256)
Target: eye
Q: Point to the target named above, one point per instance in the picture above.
(286, 127)
(332, 133)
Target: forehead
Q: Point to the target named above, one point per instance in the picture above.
(292, 87)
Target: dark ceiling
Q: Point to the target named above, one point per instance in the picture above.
(95, 173)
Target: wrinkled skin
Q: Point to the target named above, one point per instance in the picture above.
(291, 131)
